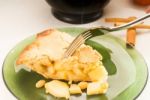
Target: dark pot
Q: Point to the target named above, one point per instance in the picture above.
(77, 11)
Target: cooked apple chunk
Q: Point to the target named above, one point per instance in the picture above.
(97, 88)
(83, 85)
(40, 84)
(75, 89)
(57, 89)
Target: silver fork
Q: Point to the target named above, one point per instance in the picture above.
(81, 38)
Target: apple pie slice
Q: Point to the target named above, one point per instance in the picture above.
(45, 56)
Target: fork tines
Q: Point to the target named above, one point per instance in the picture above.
(77, 42)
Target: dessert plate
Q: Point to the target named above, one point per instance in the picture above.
(126, 83)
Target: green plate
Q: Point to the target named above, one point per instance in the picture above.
(126, 84)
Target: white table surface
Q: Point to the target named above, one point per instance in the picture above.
(22, 18)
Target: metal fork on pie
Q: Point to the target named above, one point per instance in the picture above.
(81, 38)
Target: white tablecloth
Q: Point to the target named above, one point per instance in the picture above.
(22, 18)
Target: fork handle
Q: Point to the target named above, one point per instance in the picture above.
(130, 23)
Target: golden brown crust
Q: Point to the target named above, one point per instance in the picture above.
(23, 53)
(34, 44)
(37, 55)
(45, 33)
